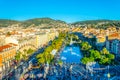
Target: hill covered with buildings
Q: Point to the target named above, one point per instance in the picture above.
(50, 23)
(7, 22)
(98, 23)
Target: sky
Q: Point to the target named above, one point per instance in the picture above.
(66, 10)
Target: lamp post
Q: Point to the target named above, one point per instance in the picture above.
(32, 76)
(108, 75)
(71, 71)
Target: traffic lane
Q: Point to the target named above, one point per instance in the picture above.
(20, 67)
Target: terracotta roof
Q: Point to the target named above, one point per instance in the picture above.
(4, 47)
(7, 46)
(114, 35)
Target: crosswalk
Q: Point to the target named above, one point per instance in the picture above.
(77, 69)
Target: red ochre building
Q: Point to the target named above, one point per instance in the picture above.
(7, 54)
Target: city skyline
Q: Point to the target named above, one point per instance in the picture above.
(68, 10)
(59, 40)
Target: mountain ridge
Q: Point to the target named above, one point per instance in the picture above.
(29, 22)
(49, 22)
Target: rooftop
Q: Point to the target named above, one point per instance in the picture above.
(7, 46)
(4, 47)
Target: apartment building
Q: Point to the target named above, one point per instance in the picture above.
(113, 46)
(43, 38)
(7, 54)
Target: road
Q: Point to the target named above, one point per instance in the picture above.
(16, 73)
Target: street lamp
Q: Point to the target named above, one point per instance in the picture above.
(108, 75)
(32, 76)
(71, 71)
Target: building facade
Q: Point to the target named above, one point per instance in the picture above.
(113, 46)
(7, 54)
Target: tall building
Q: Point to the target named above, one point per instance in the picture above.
(41, 39)
(7, 54)
(113, 46)
(44, 38)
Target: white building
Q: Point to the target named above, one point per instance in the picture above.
(41, 39)
(114, 46)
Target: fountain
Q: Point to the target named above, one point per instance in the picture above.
(71, 54)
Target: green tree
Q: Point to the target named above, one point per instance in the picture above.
(49, 49)
(104, 61)
(60, 63)
(111, 56)
(40, 58)
(104, 51)
(18, 56)
(85, 46)
(46, 56)
(29, 51)
(85, 60)
(24, 57)
(25, 52)
(95, 54)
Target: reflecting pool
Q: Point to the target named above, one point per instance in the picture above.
(71, 54)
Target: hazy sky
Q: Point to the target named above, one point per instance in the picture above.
(67, 10)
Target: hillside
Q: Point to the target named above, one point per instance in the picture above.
(91, 21)
(7, 22)
(37, 22)
(43, 22)
(98, 23)
(48, 23)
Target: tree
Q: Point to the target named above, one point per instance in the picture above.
(49, 49)
(104, 51)
(60, 63)
(85, 46)
(75, 37)
(40, 58)
(95, 54)
(30, 51)
(104, 57)
(104, 61)
(85, 60)
(110, 56)
(24, 57)
(46, 56)
(18, 56)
